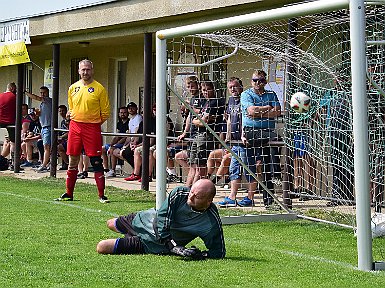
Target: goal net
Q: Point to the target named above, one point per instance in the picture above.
(309, 54)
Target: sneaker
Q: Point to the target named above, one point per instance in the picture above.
(172, 178)
(42, 169)
(227, 202)
(246, 202)
(276, 181)
(64, 197)
(104, 199)
(83, 175)
(27, 164)
(132, 177)
(110, 174)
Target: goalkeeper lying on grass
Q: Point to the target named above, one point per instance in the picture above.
(183, 216)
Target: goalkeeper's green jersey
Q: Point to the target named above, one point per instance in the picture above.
(177, 220)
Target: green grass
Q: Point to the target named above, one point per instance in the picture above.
(52, 244)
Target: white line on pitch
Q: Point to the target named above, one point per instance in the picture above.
(61, 203)
(317, 258)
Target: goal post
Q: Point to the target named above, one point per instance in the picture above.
(358, 93)
(236, 21)
(360, 134)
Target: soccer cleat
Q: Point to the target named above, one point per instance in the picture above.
(246, 202)
(110, 174)
(104, 199)
(132, 177)
(64, 197)
(227, 202)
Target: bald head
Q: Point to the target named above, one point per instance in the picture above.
(201, 194)
(206, 187)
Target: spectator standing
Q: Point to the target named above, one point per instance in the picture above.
(259, 110)
(45, 121)
(88, 107)
(8, 113)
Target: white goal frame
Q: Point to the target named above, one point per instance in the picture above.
(358, 73)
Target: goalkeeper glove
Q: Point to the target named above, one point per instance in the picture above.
(193, 253)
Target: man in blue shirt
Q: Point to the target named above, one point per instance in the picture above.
(185, 215)
(259, 110)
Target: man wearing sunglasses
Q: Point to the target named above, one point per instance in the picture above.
(259, 110)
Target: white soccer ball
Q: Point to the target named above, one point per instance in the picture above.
(300, 102)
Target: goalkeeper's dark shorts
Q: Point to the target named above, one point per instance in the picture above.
(131, 243)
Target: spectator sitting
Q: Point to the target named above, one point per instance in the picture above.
(139, 150)
(63, 136)
(218, 162)
(84, 164)
(31, 139)
(127, 151)
(116, 142)
(6, 149)
(203, 141)
(197, 102)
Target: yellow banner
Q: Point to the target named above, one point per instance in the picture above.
(12, 54)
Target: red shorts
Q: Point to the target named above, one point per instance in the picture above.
(84, 135)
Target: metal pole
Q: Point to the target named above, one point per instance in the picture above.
(287, 184)
(360, 134)
(146, 108)
(19, 101)
(55, 101)
(161, 114)
(255, 18)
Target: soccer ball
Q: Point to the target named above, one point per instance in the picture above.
(300, 102)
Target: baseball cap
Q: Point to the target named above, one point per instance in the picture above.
(132, 104)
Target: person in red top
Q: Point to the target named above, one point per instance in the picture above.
(88, 107)
(8, 112)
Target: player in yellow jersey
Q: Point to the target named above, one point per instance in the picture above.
(88, 107)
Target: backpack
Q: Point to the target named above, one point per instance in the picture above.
(3, 163)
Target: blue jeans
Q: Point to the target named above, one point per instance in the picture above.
(46, 135)
(249, 156)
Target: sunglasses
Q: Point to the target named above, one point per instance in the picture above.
(260, 80)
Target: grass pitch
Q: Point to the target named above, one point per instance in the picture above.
(52, 244)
